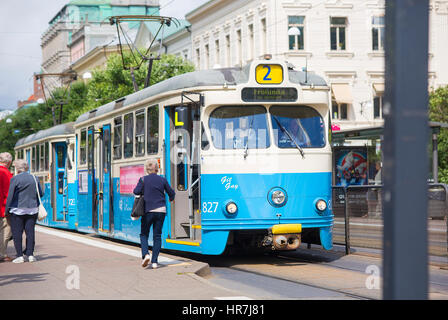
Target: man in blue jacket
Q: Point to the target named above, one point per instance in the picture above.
(153, 188)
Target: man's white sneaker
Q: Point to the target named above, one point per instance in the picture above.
(32, 259)
(154, 265)
(145, 261)
(18, 260)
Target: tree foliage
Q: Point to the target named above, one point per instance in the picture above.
(107, 84)
(438, 111)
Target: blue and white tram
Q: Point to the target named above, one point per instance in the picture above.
(50, 155)
(245, 149)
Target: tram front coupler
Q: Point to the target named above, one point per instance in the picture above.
(284, 237)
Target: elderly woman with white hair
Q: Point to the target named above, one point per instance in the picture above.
(23, 206)
(153, 188)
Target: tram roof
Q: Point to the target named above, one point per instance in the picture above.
(201, 78)
(62, 129)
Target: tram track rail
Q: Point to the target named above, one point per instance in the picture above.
(343, 292)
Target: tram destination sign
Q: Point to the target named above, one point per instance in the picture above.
(269, 94)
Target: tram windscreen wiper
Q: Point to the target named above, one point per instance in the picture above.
(289, 136)
(246, 145)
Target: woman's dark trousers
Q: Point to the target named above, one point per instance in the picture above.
(20, 223)
(156, 220)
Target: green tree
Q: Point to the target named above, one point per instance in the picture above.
(438, 111)
(21, 124)
(107, 84)
(113, 82)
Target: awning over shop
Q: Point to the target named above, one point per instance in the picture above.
(342, 92)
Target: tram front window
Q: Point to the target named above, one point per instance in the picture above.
(302, 123)
(239, 127)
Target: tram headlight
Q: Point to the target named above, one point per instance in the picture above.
(277, 197)
(231, 208)
(321, 205)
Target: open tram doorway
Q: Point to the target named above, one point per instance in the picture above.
(100, 178)
(183, 170)
(105, 191)
(59, 185)
(92, 169)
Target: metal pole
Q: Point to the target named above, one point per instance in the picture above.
(133, 79)
(148, 75)
(347, 222)
(435, 159)
(406, 161)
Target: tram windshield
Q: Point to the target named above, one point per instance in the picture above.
(301, 123)
(239, 127)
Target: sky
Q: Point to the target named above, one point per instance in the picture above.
(22, 23)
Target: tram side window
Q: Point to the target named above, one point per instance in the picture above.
(70, 156)
(140, 133)
(37, 158)
(128, 135)
(107, 152)
(61, 159)
(237, 127)
(302, 123)
(33, 159)
(47, 156)
(42, 157)
(153, 129)
(118, 125)
(82, 147)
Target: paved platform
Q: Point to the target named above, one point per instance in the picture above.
(75, 266)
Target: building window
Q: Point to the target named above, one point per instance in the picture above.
(337, 33)
(217, 53)
(296, 25)
(378, 33)
(251, 42)
(339, 111)
(185, 54)
(207, 57)
(378, 107)
(198, 58)
(228, 63)
(263, 36)
(239, 47)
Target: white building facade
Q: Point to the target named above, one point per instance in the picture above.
(341, 40)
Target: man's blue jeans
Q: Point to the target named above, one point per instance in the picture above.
(156, 220)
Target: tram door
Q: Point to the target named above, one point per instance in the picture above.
(105, 192)
(59, 190)
(184, 175)
(91, 171)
